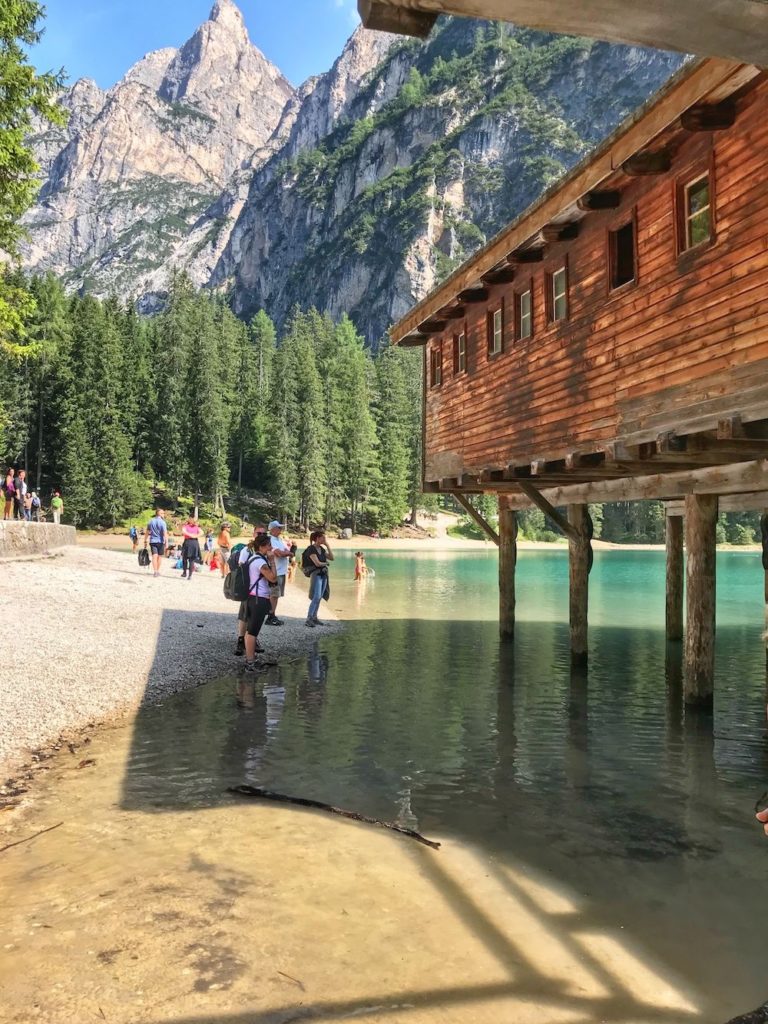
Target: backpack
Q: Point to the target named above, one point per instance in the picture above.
(234, 559)
(237, 585)
(307, 565)
(35, 502)
(144, 557)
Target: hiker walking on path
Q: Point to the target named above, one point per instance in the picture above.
(133, 533)
(190, 548)
(9, 492)
(259, 560)
(35, 507)
(21, 494)
(157, 538)
(282, 553)
(314, 563)
(57, 507)
(224, 548)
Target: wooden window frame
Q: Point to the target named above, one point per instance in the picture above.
(519, 336)
(494, 353)
(457, 352)
(436, 365)
(550, 294)
(694, 173)
(613, 230)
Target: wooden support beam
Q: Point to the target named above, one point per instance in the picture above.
(709, 117)
(749, 502)
(472, 512)
(507, 563)
(452, 313)
(432, 327)
(741, 477)
(541, 502)
(504, 275)
(522, 257)
(400, 20)
(603, 199)
(470, 295)
(700, 522)
(578, 574)
(729, 428)
(648, 163)
(675, 571)
(414, 340)
(560, 232)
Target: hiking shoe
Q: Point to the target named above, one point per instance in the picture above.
(274, 621)
(310, 622)
(319, 623)
(240, 647)
(250, 666)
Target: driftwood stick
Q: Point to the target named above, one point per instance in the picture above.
(266, 794)
(30, 838)
(758, 1016)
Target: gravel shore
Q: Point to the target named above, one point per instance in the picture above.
(88, 636)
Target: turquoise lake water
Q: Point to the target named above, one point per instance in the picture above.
(599, 779)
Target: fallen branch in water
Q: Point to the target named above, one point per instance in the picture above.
(266, 794)
(30, 838)
(758, 1016)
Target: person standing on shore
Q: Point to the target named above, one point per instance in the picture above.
(133, 533)
(57, 507)
(9, 492)
(315, 561)
(35, 508)
(260, 560)
(21, 494)
(224, 548)
(282, 553)
(208, 547)
(157, 538)
(190, 548)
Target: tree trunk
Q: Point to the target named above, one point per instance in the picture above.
(39, 470)
(240, 473)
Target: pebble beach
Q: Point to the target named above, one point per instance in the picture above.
(88, 636)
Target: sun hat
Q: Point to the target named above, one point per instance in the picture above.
(274, 525)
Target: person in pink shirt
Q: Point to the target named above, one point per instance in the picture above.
(190, 548)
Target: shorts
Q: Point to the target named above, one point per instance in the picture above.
(279, 586)
(242, 615)
(224, 554)
(157, 549)
(258, 609)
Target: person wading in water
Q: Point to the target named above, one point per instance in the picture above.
(190, 549)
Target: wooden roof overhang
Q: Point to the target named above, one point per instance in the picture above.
(735, 29)
(596, 182)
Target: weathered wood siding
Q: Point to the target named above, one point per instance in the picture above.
(682, 347)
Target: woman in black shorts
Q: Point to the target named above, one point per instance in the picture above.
(261, 572)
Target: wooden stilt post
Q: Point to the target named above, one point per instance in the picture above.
(579, 550)
(675, 568)
(507, 562)
(764, 539)
(700, 523)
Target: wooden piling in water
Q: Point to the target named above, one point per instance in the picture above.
(675, 579)
(507, 563)
(579, 565)
(700, 523)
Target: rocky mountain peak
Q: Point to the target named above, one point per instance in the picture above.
(228, 15)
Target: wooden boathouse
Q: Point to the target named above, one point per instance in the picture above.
(611, 344)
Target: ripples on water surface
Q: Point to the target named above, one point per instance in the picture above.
(601, 780)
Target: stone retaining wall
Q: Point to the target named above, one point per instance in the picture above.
(20, 540)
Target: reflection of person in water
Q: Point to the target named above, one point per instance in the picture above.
(255, 726)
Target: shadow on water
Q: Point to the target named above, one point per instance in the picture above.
(599, 780)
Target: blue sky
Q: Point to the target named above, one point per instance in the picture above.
(101, 38)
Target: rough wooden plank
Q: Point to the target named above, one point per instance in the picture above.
(578, 578)
(507, 563)
(675, 575)
(538, 499)
(700, 522)
(472, 512)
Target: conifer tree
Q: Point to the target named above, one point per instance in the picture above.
(394, 423)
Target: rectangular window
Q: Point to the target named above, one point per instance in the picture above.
(696, 212)
(622, 255)
(459, 353)
(558, 295)
(436, 366)
(524, 314)
(495, 331)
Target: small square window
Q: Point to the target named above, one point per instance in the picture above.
(524, 315)
(622, 255)
(436, 366)
(696, 213)
(559, 295)
(459, 353)
(495, 331)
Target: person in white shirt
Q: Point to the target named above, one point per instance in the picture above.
(282, 552)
